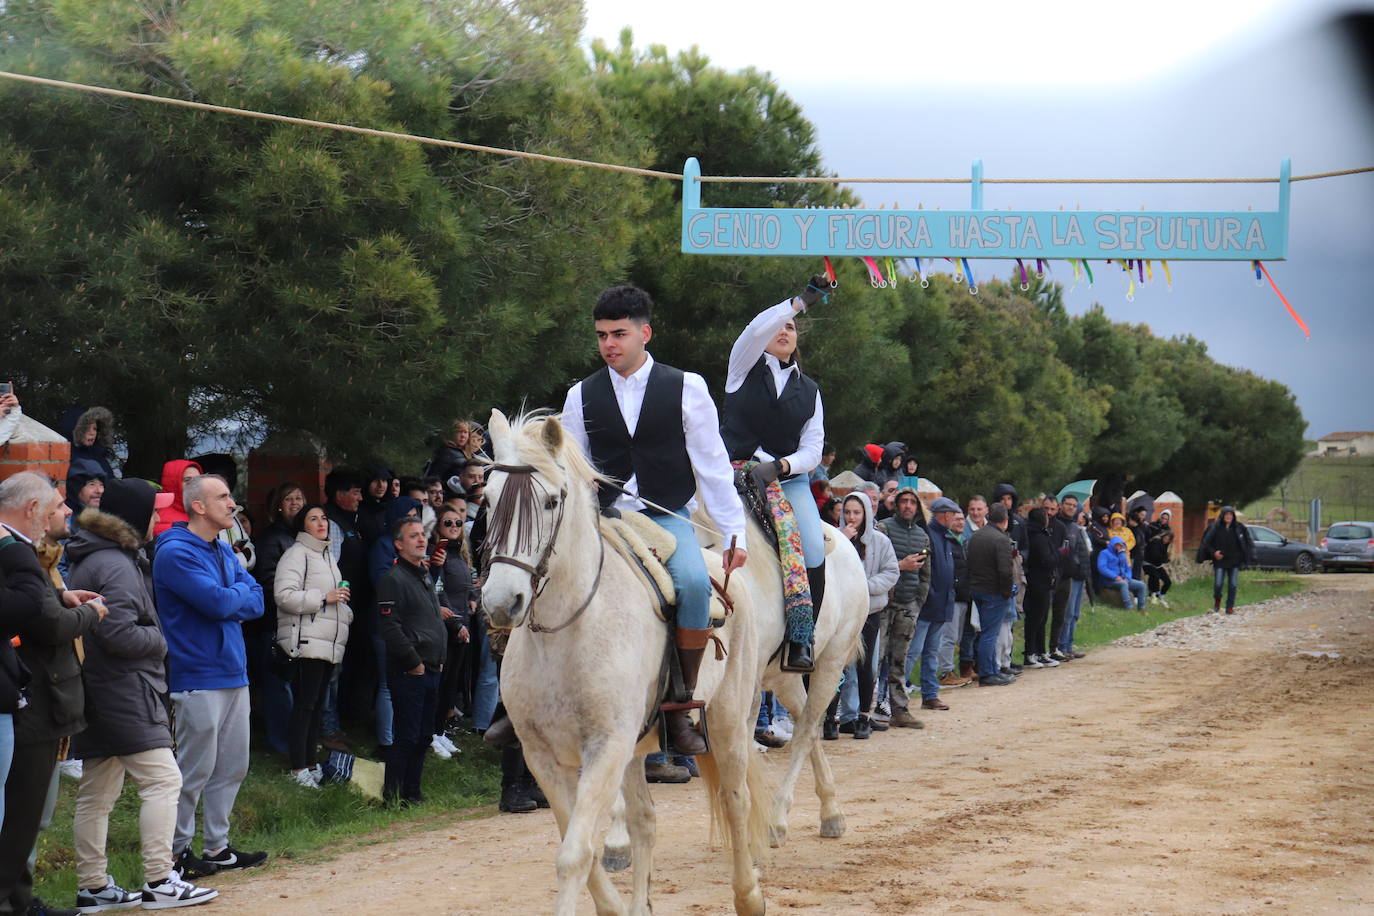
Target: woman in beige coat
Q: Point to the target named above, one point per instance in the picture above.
(312, 629)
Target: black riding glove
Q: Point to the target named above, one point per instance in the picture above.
(765, 472)
(816, 290)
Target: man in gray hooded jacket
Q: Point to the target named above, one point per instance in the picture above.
(912, 546)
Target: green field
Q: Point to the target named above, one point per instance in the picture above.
(1344, 485)
(300, 825)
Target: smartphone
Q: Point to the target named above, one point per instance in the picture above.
(6, 388)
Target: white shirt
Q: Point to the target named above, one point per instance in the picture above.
(749, 346)
(700, 424)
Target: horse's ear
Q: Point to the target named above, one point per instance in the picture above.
(553, 434)
(498, 425)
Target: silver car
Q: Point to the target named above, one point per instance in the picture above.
(1349, 545)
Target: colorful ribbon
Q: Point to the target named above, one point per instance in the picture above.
(875, 275)
(1168, 278)
(1025, 283)
(1088, 269)
(968, 274)
(829, 271)
(1284, 299)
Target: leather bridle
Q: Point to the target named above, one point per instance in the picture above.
(539, 572)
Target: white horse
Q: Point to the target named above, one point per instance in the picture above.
(582, 668)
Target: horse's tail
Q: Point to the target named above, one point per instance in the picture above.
(760, 797)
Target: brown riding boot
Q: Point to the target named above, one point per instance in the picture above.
(967, 670)
(691, 647)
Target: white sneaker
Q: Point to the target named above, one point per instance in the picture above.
(453, 749)
(172, 891)
(1031, 661)
(436, 744)
(1047, 662)
(1164, 601)
(783, 727)
(70, 768)
(318, 772)
(305, 779)
(109, 897)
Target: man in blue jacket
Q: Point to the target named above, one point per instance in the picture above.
(203, 596)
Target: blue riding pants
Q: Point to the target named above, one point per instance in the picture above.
(688, 571)
(798, 493)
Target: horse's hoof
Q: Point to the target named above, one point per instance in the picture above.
(832, 827)
(777, 835)
(615, 860)
(752, 904)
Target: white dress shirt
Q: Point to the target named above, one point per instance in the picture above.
(752, 343)
(715, 477)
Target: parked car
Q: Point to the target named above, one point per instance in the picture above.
(1349, 545)
(1274, 551)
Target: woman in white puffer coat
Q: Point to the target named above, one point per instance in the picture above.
(313, 617)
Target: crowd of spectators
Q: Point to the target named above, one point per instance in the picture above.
(150, 629)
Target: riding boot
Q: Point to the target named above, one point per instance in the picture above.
(797, 656)
(691, 647)
(515, 797)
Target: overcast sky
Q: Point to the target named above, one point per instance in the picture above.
(1073, 88)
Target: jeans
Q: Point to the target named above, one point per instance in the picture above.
(1129, 587)
(956, 633)
(688, 571)
(383, 703)
(487, 692)
(798, 493)
(928, 638)
(856, 690)
(1230, 577)
(6, 754)
(993, 611)
(1071, 615)
(767, 711)
(413, 700)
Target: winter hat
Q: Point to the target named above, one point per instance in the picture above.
(133, 501)
(874, 453)
(944, 504)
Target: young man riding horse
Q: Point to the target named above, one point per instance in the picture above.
(655, 428)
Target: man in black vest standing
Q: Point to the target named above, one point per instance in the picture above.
(655, 429)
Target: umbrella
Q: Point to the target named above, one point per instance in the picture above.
(1083, 489)
(1142, 500)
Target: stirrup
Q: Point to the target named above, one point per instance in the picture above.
(785, 663)
(687, 706)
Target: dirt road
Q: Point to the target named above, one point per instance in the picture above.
(1235, 779)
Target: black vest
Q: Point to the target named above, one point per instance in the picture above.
(656, 455)
(755, 417)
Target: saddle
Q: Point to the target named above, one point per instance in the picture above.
(648, 547)
(756, 504)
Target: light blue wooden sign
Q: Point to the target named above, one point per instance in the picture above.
(978, 233)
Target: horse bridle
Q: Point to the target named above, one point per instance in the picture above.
(539, 572)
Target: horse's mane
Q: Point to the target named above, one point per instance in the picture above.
(527, 434)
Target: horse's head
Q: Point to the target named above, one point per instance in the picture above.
(538, 494)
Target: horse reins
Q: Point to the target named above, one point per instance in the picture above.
(539, 573)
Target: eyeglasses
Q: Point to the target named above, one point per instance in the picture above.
(452, 523)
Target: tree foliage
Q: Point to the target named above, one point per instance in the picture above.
(186, 268)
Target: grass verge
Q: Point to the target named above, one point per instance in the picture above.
(1104, 623)
(292, 823)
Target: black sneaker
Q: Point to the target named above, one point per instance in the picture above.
(189, 866)
(995, 680)
(847, 728)
(229, 857)
(1015, 669)
(109, 897)
(830, 730)
(38, 908)
(863, 728)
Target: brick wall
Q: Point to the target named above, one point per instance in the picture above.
(34, 447)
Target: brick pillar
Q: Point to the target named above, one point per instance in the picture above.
(34, 447)
(285, 457)
(1174, 503)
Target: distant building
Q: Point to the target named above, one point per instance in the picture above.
(1335, 445)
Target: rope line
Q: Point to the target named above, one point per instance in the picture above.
(330, 125)
(627, 169)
